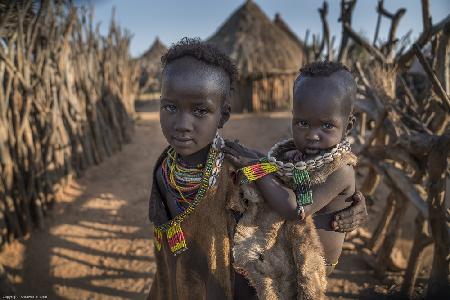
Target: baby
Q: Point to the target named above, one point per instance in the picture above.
(312, 173)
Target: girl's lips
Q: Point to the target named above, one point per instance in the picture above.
(182, 141)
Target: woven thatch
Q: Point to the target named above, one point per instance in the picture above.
(280, 23)
(257, 45)
(151, 68)
(154, 53)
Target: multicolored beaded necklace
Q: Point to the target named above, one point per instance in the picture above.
(181, 180)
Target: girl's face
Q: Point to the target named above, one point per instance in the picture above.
(191, 106)
(319, 119)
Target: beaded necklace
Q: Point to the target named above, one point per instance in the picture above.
(285, 169)
(181, 180)
(300, 171)
(210, 172)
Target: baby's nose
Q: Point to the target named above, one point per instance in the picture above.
(312, 136)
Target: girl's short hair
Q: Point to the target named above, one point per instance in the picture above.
(202, 51)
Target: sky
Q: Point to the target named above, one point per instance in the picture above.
(172, 20)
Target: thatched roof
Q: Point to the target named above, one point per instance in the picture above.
(154, 53)
(151, 67)
(256, 44)
(280, 23)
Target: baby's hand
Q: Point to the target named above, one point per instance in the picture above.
(239, 155)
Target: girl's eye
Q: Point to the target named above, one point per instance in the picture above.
(302, 124)
(169, 108)
(328, 126)
(200, 111)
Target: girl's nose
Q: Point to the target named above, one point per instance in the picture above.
(183, 123)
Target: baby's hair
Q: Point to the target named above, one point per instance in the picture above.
(201, 51)
(327, 68)
(322, 68)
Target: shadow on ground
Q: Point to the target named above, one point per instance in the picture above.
(97, 241)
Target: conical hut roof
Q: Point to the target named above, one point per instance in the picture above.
(280, 23)
(151, 67)
(257, 45)
(154, 53)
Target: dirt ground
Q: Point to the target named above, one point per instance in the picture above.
(97, 242)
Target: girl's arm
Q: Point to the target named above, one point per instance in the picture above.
(281, 198)
(352, 217)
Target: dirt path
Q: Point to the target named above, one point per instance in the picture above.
(97, 242)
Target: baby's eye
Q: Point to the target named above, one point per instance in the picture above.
(302, 124)
(169, 108)
(328, 125)
(200, 111)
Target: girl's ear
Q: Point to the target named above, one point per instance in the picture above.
(225, 114)
(350, 124)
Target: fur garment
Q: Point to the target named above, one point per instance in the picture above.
(281, 259)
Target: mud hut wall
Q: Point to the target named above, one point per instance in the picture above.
(263, 94)
(272, 93)
(242, 96)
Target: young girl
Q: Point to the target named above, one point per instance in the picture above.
(192, 191)
(312, 173)
(195, 203)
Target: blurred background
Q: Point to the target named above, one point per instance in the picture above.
(79, 132)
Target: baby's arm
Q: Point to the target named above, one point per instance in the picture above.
(281, 198)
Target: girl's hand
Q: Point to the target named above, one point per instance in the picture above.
(239, 155)
(353, 216)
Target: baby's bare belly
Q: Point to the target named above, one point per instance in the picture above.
(331, 240)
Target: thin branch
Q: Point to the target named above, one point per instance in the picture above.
(437, 87)
(377, 28)
(405, 187)
(365, 44)
(409, 95)
(424, 37)
(392, 40)
(326, 30)
(347, 8)
(14, 70)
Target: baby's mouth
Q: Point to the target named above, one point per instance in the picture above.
(312, 151)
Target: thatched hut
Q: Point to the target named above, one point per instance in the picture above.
(150, 63)
(268, 59)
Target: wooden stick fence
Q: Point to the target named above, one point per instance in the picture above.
(407, 145)
(66, 102)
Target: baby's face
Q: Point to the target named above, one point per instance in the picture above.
(191, 102)
(319, 122)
